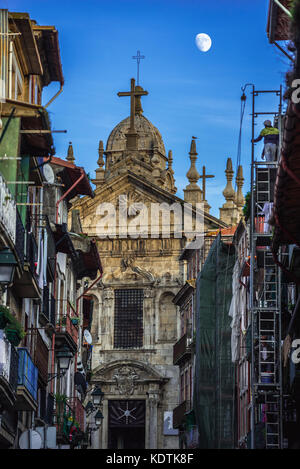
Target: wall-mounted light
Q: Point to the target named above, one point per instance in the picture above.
(98, 418)
(97, 396)
(7, 266)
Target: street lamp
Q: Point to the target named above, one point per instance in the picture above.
(64, 357)
(97, 396)
(98, 419)
(7, 266)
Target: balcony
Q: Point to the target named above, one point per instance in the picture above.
(70, 421)
(180, 412)
(8, 211)
(42, 221)
(20, 239)
(47, 316)
(8, 372)
(78, 411)
(40, 355)
(27, 382)
(181, 350)
(26, 286)
(66, 329)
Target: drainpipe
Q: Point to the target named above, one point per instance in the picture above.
(10, 69)
(55, 96)
(77, 307)
(68, 191)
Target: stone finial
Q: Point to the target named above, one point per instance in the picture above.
(240, 200)
(192, 174)
(100, 161)
(192, 192)
(70, 155)
(229, 212)
(98, 181)
(228, 192)
(170, 161)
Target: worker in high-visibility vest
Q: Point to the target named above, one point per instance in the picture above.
(271, 139)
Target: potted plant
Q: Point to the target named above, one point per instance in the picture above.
(4, 316)
(63, 323)
(74, 320)
(13, 330)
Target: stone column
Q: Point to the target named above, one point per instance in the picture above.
(148, 317)
(107, 333)
(153, 401)
(104, 429)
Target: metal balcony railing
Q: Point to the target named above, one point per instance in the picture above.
(13, 373)
(32, 253)
(78, 411)
(8, 362)
(63, 419)
(20, 238)
(27, 372)
(181, 350)
(67, 318)
(40, 354)
(180, 412)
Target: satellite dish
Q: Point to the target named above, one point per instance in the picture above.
(30, 439)
(49, 174)
(87, 336)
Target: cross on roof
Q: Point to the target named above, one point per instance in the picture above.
(132, 93)
(205, 176)
(138, 58)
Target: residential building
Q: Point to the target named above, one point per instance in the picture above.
(43, 267)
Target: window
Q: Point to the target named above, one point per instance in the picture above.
(128, 323)
(15, 78)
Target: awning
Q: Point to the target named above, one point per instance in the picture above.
(278, 21)
(69, 175)
(63, 241)
(48, 45)
(37, 144)
(89, 262)
(29, 47)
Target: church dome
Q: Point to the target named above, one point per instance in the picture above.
(149, 135)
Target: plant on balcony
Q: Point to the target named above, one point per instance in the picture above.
(60, 397)
(13, 330)
(5, 316)
(74, 320)
(63, 321)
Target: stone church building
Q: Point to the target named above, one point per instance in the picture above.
(135, 323)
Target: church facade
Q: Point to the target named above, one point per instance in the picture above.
(135, 322)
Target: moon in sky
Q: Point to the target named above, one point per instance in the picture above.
(203, 42)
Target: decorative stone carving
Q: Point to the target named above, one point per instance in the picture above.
(126, 379)
(108, 294)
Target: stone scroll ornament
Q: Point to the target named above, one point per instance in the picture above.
(126, 380)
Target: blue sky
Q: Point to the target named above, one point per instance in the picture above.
(190, 92)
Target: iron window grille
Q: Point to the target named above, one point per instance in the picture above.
(128, 321)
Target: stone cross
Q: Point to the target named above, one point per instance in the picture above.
(133, 93)
(205, 176)
(138, 58)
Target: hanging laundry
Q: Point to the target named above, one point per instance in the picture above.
(267, 211)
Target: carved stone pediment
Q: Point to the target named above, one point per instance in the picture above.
(129, 271)
(126, 374)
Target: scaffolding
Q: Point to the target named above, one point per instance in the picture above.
(265, 298)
